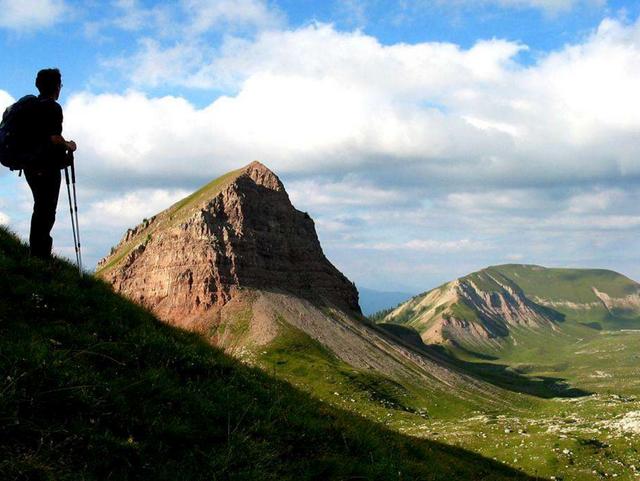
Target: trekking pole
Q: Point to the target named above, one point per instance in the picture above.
(75, 206)
(73, 224)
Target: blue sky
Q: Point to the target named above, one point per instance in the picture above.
(427, 138)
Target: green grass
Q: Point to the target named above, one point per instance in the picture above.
(460, 310)
(573, 285)
(94, 388)
(569, 438)
(305, 363)
(587, 354)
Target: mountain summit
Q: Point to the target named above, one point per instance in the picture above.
(239, 231)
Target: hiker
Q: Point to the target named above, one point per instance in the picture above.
(53, 154)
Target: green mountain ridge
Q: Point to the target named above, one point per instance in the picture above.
(94, 387)
(574, 331)
(485, 307)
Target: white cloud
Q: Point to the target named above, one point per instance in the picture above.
(154, 65)
(4, 219)
(30, 14)
(384, 143)
(129, 209)
(316, 97)
(496, 200)
(428, 245)
(549, 6)
(206, 14)
(5, 100)
(352, 192)
(592, 223)
(596, 201)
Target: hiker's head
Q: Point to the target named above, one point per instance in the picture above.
(49, 82)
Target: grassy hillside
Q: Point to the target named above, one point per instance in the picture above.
(598, 298)
(574, 285)
(572, 293)
(93, 387)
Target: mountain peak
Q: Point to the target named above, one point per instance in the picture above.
(262, 175)
(239, 232)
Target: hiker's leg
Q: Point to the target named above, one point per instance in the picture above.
(46, 189)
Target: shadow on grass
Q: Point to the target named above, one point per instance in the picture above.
(499, 375)
(94, 387)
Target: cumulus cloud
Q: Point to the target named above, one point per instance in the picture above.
(316, 99)
(428, 245)
(4, 219)
(127, 210)
(206, 14)
(351, 192)
(30, 14)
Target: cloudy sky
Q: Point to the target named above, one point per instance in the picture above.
(427, 138)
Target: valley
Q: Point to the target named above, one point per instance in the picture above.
(594, 436)
(564, 343)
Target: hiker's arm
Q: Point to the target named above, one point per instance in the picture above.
(59, 140)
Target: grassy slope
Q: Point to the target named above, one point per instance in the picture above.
(93, 387)
(566, 284)
(575, 285)
(568, 438)
(305, 363)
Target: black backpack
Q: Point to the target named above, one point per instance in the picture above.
(17, 146)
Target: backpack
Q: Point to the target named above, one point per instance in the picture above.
(17, 147)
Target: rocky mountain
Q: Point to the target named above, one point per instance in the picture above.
(488, 305)
(236, 262)
(240, 231)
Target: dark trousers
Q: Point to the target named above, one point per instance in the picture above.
(45, 187)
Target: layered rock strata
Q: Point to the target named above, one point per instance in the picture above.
(239, 232)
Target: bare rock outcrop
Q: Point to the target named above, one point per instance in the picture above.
(464, 311)
(239, 232)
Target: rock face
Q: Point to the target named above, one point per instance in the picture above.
(238, 232)
(475, 308)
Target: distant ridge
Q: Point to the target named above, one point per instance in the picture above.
(485, 306)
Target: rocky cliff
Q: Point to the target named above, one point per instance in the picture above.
(240, 231)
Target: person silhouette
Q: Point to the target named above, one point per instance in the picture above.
(54, 153)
